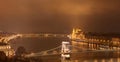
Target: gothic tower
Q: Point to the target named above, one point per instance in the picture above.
(77, 34)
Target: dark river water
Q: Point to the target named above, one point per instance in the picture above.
(40, 44)
(37, 44)
(85, 57)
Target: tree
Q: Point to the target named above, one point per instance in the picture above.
(3, 57)
(20, 51)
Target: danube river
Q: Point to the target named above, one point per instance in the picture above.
(41, 44)
(101, 56)
(83, 57)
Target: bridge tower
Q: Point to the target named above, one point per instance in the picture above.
(65, 50)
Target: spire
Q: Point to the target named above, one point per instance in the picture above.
(77, 34)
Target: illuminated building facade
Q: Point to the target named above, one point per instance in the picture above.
(4, 43)
(6, 48)
(96, 39)
(77, 34)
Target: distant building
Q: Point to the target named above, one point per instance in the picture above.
(6, 48)
(77, 34)
(4, 43)
(106, 39)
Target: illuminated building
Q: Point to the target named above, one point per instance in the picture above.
(6, 48)
(77, 34)
(95, 39)
(4, 43)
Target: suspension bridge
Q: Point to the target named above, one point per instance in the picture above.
(58, 51)
(53, 51)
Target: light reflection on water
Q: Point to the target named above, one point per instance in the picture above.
(105, 56)
(83, 57)
(95, 60)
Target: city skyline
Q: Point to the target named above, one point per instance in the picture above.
(59, 31)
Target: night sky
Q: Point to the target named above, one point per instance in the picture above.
(59, 16)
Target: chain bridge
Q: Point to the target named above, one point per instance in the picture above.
(54, 51)
(57, 51)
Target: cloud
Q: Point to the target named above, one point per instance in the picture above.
(48, 15)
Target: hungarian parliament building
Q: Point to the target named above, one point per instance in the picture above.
(111, 40)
